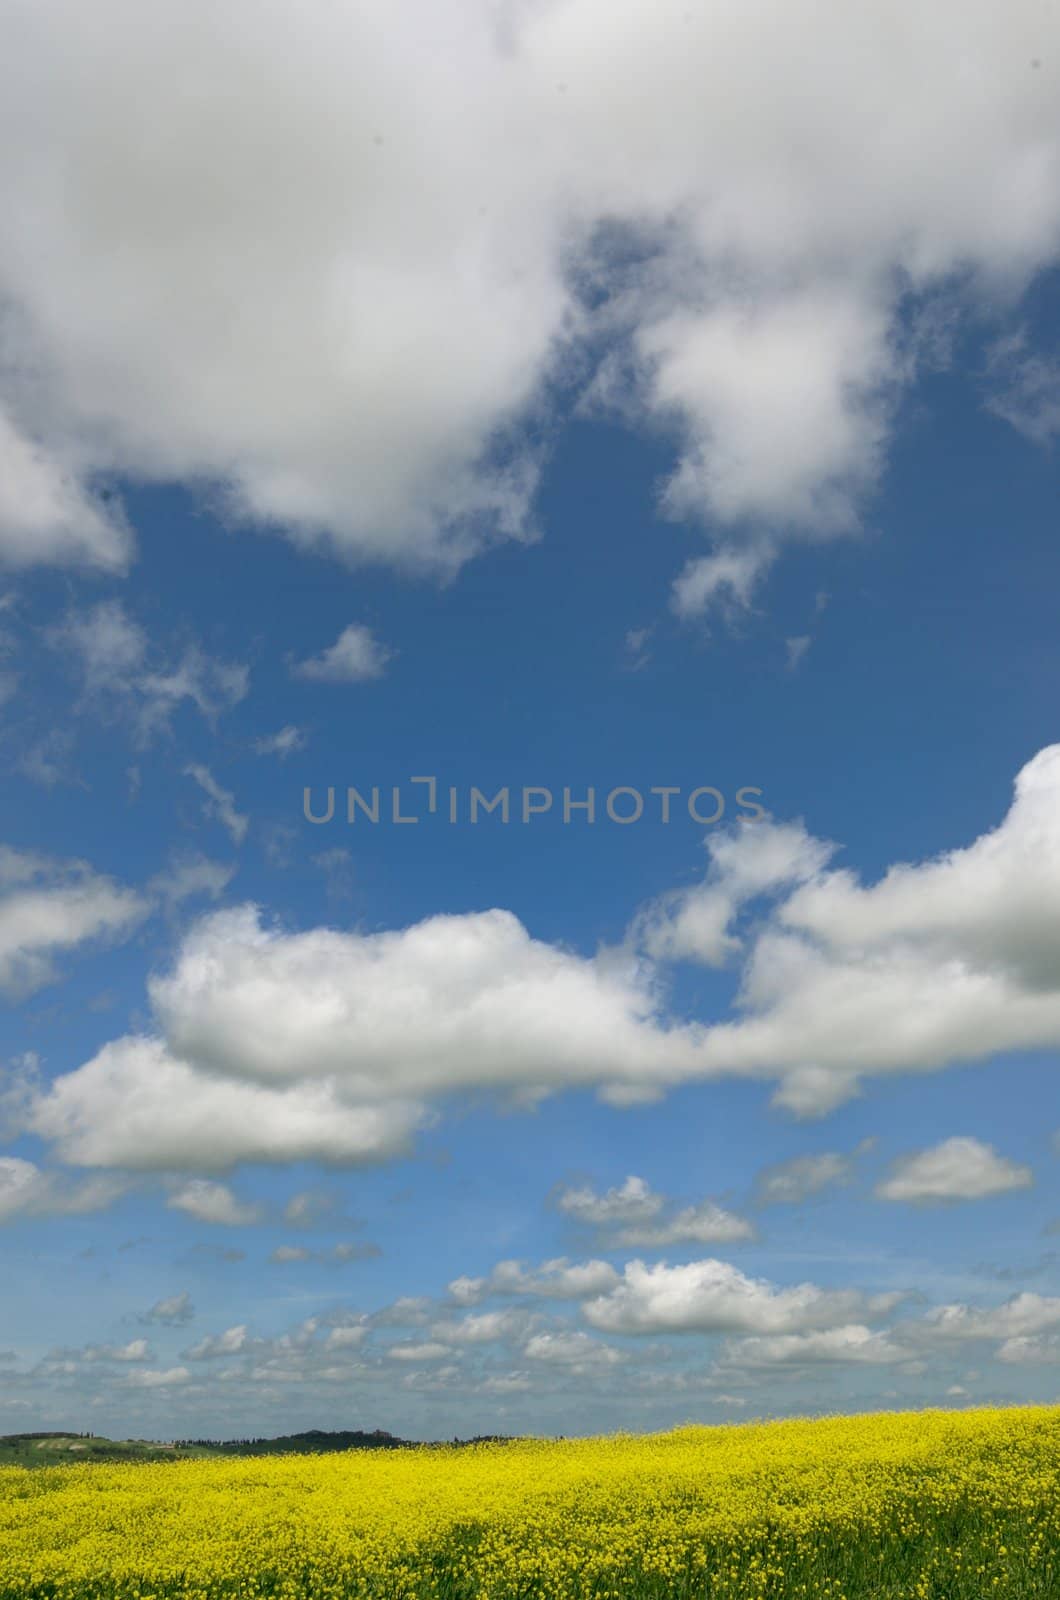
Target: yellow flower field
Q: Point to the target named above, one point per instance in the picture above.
(924, 1506)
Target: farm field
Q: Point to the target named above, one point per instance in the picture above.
(935, 1505)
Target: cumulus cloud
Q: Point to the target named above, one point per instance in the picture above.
(1023, 1316)
(429, 1351)
(345, 1338)
(632, 1201)
(480, 1327)
(171, 1312)
(47, 906)
(724, 581)
(211, 1202)
(574, 1350)
(956, 1169)
(951, 959)
(276, 1044)
(408, 1311)
(1024, 1350)
(634, 1212)
(355, 656)
(790, 1182)
(135, 1350)
(752, 860)
(713, 1296)
(135, 1106)
(558, 1279)
(230, 1343)
(430, 269)
(705, 1223)
(48, 513)
(27, 1190)
(851, 1343)
(154, 1378)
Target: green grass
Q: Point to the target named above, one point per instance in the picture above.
(52, 1449)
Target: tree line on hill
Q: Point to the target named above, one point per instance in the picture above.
(317, 1439)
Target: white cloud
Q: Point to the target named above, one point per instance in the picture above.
(771, 163)
(705, 1223)
(635, 1212)
(27, 1190)
(221, 802)
(507, 1383)
(575, 1350)
(451, 1002)
(189, 877)
(1024, 1316)
(135, 1350)
(332, 1044)
(154, 1379)
(796, 648)
(791, 1182)
(122, 669)
(230, 1343)
(172, 1312)
(48, 761)
(850, 1343)
(1025, 388)
(633, 1201)
(558, 1279)
(346, 1338)
(466, 1291)
(282, 743)
(727, 579)
(408, 1311)
(951, 959)
(430, 1351)
(784, 401)
(133, 1105)
(47, 906)
(637, 648)
(351, 1250)
(355, 656)
(1028, 1351)
(480, 1328)
(308, 1207)
(956, 1169)
(48, 513)
(750, 860)
(714, 1296)
(212, 1202)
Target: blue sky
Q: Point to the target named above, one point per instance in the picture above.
(589, 474)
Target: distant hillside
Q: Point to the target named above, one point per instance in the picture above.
(46, 1449)
(311, 1442)
(49, 1449)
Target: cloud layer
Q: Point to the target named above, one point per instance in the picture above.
(353, 254)
(337, 1045)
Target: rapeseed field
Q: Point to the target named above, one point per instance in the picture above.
(924, 1506)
